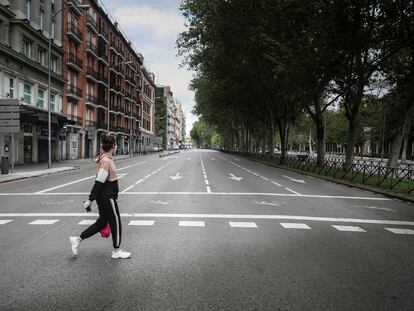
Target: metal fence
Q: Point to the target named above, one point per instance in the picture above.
(372, 173)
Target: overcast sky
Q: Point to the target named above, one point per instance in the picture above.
(153, 26)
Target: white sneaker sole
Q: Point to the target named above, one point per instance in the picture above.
(74, 249)
(121, 257)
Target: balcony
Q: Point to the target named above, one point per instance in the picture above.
(73, 92)
(74, 33)
(78, 120)
(92, 101)
(114, 48)
(135, 115)
(89, 123)
(113, 108)
(104, 35)
(102, 56)
(115, 89)
(73, 5)
(102, 125)
(92, 74)
(102, 103)
(92, 48)
(74, 62)
(91, 23)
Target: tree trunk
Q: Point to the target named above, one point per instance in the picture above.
(320, 143)
(405, 143)
(397, 142)
(349, 152)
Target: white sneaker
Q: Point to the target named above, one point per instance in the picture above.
(120, 254)
(75, 241)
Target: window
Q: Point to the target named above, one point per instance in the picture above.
(41, 53)
(52, 8)
(11, 87)
(27, 48)
(53, 102)
(28, 9)
(40, 98)
(54, 64)
(42, 19)
(27, 94)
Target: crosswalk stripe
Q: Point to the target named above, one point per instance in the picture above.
(44, 222)
(5, 221)
(141, 223)
(400, 230)
(348, 228)
(191, 224)
(292, 225)
(87, 222)
(242, 224)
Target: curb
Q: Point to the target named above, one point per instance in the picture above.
(341, 182)
(74, 168)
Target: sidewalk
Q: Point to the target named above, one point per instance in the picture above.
(40, 169)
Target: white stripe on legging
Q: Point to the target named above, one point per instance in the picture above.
(116, 220)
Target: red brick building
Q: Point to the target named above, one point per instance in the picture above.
(104, 74)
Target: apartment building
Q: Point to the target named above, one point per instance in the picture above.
(108, 87)
(24, 33)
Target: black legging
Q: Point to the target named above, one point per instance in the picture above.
(108, 212)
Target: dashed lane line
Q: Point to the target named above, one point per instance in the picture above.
(400, 230)
(44, 222)
(349, 228)
(191, 224)
(141, 223)
(205, 176)
(241, 224)
(146, 177)
(222, 216)
(289, 225)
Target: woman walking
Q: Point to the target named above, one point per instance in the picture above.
(105, 192)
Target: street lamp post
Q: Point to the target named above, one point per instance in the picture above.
(49, 88)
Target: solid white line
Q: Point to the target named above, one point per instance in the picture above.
(5, 221)
(44, 222)
(87, 222)
(349, 228)
(275, 183)
(126, 189)
(64, 185)
(241, 224)
(191, 224)
(400, 230)
(290, 225)
(222, 216)
(141, 223)
(292, 191)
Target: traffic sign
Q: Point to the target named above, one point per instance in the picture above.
(9, 116)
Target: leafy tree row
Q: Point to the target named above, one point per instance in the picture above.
(261, 64)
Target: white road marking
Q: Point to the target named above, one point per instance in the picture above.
(275, 183)
(400, 230)
(146, 177)
(267, 203)
(205, 176)
(177, 176)
(44, 222)
(125, 167)
(5, 221)
(232, 176)
(377, 208)
(83, 179)
(206, 193)
(241, 224)
(292, 191)
(87, 222)
(53, 202)
(213, 159)
(291, 225)
(222, 216)
(159, 202)
(348, 228)
(64, 185)
(294, 180)
(120, 176)
(191, 224)
(141, 223)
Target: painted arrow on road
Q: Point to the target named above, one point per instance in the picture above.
(295, 180)
(177, 176)
(232, 176)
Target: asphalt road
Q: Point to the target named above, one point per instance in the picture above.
(207, 231)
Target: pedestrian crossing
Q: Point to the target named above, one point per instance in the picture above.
(231, 224)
